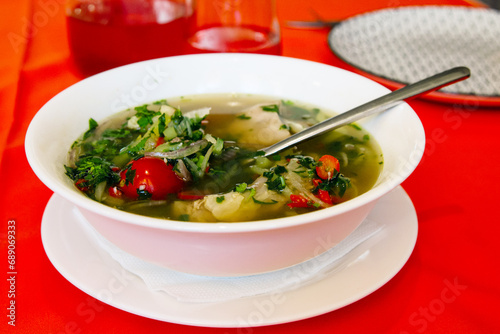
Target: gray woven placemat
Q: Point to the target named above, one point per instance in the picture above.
(407, 44)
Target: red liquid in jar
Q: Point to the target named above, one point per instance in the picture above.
(99, 46)
(245, 39)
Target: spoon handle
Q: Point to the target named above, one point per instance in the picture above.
(379, 104)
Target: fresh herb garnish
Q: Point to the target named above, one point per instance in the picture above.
(241, 187)
(129, 176)
(275, 179)
(337, 185)
(137, 148)
(144, 115)
(143, 194)
(271, 108)
(92, 126)
(261, 202)
(184, 217)
(93, 170)
(243, 116)
(116, 133)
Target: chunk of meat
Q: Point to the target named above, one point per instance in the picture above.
(256, 126)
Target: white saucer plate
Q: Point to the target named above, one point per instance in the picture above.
(69, 244)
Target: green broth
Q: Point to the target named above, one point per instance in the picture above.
(235, 178)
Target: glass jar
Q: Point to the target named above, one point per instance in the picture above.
(107, 33)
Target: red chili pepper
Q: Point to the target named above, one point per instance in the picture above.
(80, 184)
(188, 197)
(115, 192)
(327, 166)
(325, 196)
(160, 140)
(298, 201)
(316, 182)
(335, 199)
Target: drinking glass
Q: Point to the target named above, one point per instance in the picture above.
(234, 26)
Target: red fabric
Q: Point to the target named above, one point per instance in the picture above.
(453, 190)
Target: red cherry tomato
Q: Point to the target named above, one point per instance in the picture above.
(327, 166)
(151, 175)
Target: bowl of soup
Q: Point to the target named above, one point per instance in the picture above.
(163, 158)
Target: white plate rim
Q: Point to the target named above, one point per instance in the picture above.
(389, 249)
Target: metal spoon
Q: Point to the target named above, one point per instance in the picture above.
(380, 104)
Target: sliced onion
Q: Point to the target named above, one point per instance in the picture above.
(180, 153)
(144, 204)
(99, 191)
(183, 173)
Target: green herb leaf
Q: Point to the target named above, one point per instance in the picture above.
(241, 187)
(271, 108)
(162, 124)
(260, 202)
(219, 199)
(92, 126)
(145, 116)
(143, 194)
(184, 217)
(129, 176)
(336, 185)
(93, 170)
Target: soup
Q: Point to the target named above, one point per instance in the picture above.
(197, 159)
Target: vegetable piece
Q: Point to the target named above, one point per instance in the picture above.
(275, 179)
(149, 177)
(327, 166)
(180, 153)
(92, 126)
(324, 196)
(115, 192)
(187, 196)
(299, 201)
(89, 172)
(271, 108)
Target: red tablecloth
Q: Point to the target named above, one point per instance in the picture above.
(453, 189)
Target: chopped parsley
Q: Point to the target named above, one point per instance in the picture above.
(145, 116)
(92, 126)
(90, 171)
(271, 108)
(261, 202)
(241, 187)
(337, 185)
(243, 116)
(143, 194)
(275, 179)
(184, 217)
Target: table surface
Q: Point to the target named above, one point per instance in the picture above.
(453, 190)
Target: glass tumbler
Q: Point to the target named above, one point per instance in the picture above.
(249, 26)
(104, 34)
